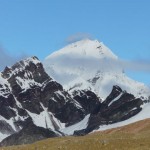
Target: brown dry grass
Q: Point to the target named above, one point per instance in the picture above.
(135, 136)
(132, 128)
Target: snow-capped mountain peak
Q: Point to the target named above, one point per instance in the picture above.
(85, 48)
(89, 64)
(31, 101)
(20, 66)
(80, 59)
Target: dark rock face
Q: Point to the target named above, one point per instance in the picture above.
(60, 103)
(114, 93)
(5, 128)
(30, 100)
(118, 106)
(29, 89)
(31, 86)
(27, 92)
(5, 105)
(88, 100)
(29, 134)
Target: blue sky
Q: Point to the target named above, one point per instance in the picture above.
(39, 27)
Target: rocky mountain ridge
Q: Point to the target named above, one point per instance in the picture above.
(31, 99)
(30, 96)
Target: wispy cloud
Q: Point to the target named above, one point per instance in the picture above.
(78, 36)
(7, 60)
(137, 69)
(139, 65)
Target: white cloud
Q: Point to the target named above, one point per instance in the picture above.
(78, 36)
(136, 65)
(7, 60)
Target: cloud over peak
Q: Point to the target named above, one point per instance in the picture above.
(78, 36)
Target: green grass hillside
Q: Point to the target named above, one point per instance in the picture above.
(135, 136)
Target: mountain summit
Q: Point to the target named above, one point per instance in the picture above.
(86, 48)
(89, 64)
(97, 95)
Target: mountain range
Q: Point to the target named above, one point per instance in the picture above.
(77, 90)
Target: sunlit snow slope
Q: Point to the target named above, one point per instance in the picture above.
(89, 64)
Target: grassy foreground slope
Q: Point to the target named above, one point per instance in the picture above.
(135, 136)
